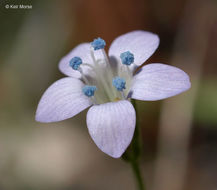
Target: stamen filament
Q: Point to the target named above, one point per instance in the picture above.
(92, 55)
(129, 71)
(83, 76)
(123, 96)
(107, 62)
(94, 100)
(102, 80)
(110, 74)
(86, 64)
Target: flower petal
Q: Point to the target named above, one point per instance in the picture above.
(158, 81)
(141, 43)
(111, 126)
(62, 100)
(82, 51)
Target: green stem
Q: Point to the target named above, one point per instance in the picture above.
(137, 173)
(136, 142)
(133, 153)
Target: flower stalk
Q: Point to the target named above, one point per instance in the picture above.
(133, 153)
(137, 173)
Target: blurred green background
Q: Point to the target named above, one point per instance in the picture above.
(179, 134)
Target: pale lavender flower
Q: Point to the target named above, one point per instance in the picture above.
(106, 83)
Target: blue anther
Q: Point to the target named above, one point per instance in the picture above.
(127, 58)
(89, 90)
(119, 83)
(98, 43)
(75, 63)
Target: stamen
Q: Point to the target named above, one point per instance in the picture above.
(107, 62)
(123, 96)
(89, 65)
(98, 43)
(83, 76)
(75, 63)
(100, 74)
(109, 72)
(92, 55)
(119, 83)
(127, 58)
(89, 90)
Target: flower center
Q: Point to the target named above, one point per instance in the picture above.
(107, 83)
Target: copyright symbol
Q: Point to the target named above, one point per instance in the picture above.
(6, 6)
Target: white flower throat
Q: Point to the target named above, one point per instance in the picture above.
(105, 82)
